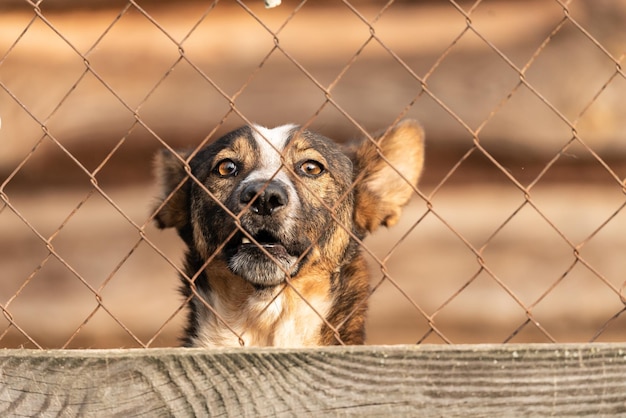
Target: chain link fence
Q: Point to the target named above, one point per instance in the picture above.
(517, 234)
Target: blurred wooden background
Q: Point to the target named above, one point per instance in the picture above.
(572, 83)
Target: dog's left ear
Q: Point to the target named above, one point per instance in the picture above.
(170, 172)
(387, 171)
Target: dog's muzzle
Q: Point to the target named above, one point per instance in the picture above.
(270, 250)
(265, 199)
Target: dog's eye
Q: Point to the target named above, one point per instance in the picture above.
(226, 168)
(311, 168)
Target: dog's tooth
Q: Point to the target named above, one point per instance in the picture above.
(245, 240)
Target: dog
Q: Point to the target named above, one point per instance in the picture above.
(273, 220)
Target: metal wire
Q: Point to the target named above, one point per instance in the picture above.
(476, 148)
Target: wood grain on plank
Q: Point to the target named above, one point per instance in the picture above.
(483, 380)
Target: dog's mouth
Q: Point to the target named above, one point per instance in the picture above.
(262, 258)
(263, 240)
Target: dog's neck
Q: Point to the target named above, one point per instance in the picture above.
(289, 315)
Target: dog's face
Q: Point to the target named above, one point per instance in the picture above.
(285, 204)
(264, 200)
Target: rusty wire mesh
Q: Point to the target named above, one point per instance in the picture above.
(517, 233)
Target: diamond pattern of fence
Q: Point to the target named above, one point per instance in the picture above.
(516, 233)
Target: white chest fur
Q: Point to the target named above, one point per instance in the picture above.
(284, 319)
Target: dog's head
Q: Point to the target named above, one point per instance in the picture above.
(272, 203)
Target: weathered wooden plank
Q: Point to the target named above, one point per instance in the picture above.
(425, 381)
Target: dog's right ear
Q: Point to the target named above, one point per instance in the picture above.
(389, 167)
(173, 201)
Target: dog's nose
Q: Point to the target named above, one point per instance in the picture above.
(266, 198)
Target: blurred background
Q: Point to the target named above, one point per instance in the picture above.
(519, 231)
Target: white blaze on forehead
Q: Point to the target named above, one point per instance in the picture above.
(271, 143)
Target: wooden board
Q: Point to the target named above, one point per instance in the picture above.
(425, 381)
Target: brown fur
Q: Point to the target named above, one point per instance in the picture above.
(319, 294)
(383, 191)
